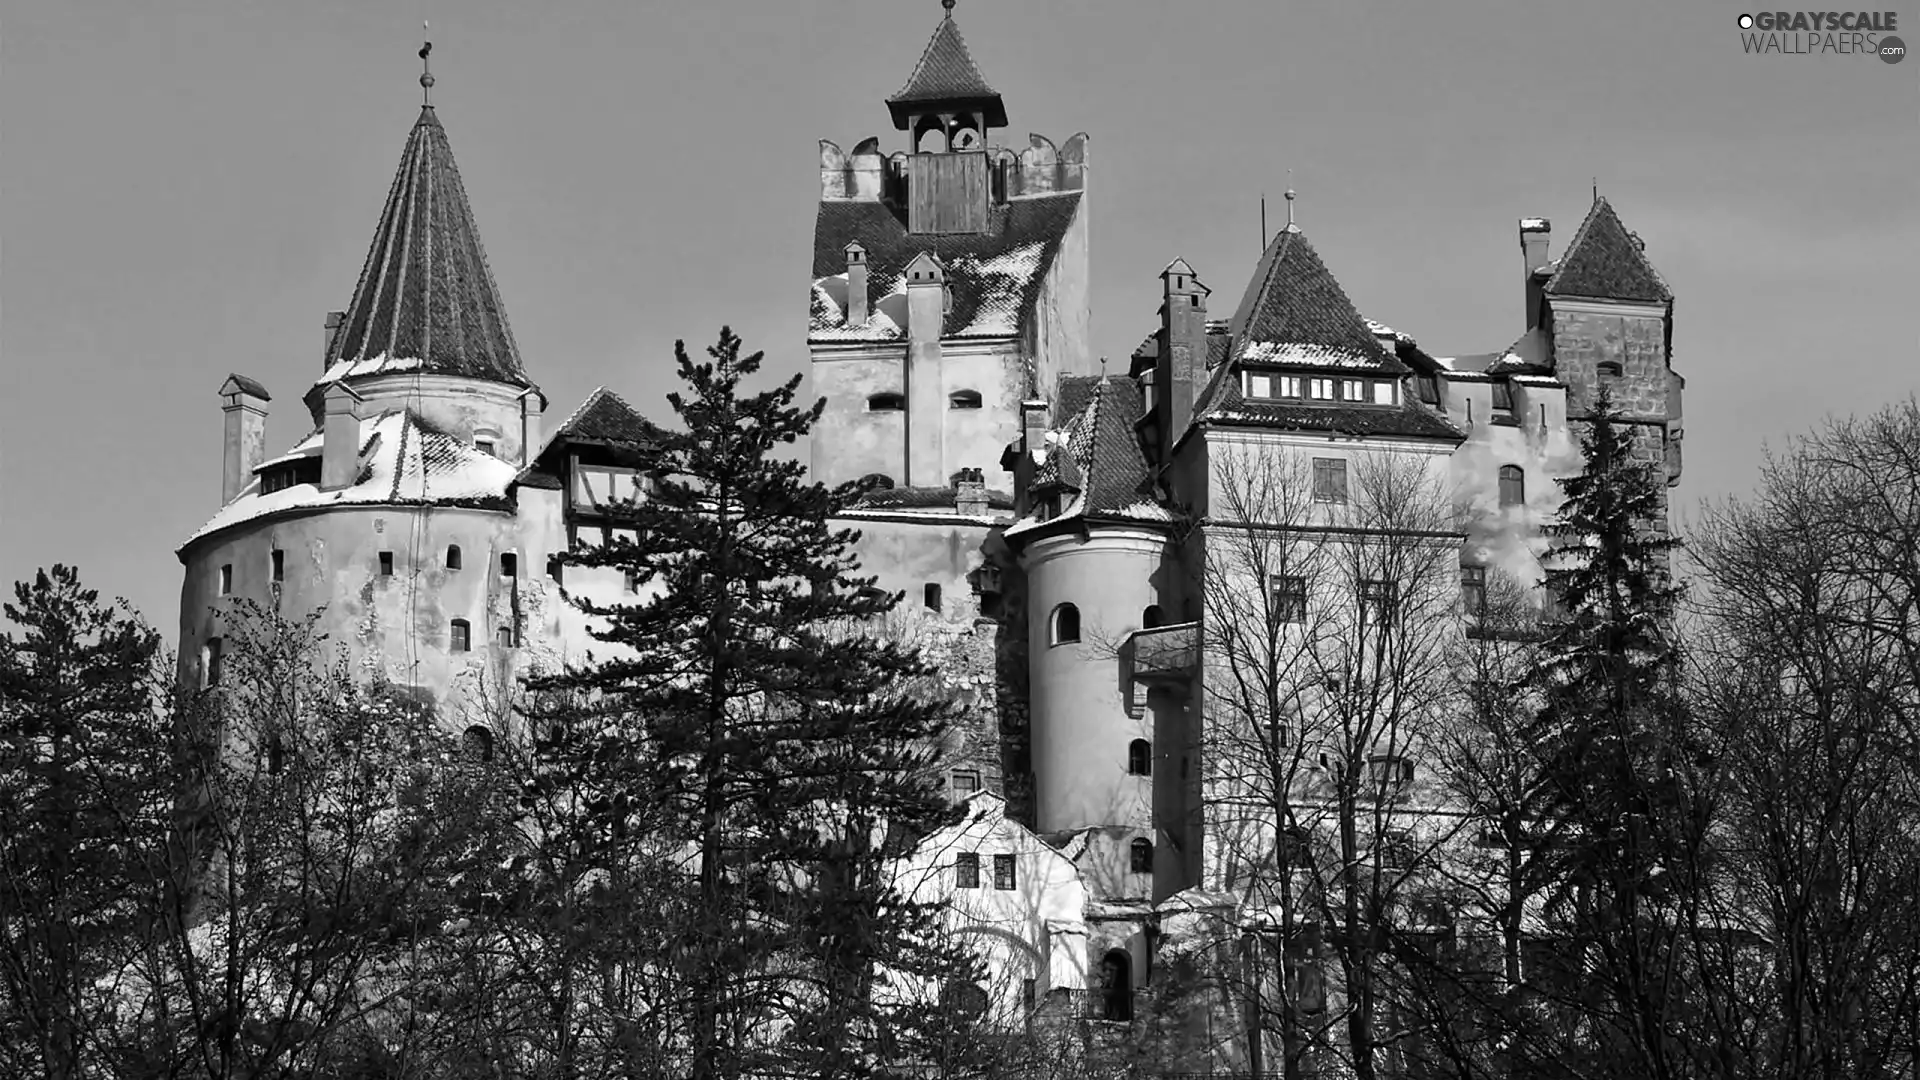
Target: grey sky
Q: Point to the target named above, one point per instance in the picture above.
(187, 187)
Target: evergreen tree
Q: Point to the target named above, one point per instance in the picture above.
(757, 728)
(79, 810)
(1615, 754)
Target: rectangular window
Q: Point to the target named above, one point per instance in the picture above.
(1429, 388)
(1389, 772)
(1503, 395)
(1003, 872)
(226, 579)
(485, 446)
(1385, 392)
(509, 565)
(1320, 389)
(505, 637)
(964, 782)
(1259, 386)
(1354, 389)
(1329, 480)
(1289, 598)
(966, 871)
(1396, 849)
(215, 654)
(386, 564)
(1289, 386)
(1029, 992)
(279, 566)
(1378, 599)
(462, 636)
(1473, 589)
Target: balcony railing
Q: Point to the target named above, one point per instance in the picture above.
(1166, 653)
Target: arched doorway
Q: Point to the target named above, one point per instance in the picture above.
(1116, 985)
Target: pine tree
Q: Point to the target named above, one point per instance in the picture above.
(1613, 746)
(79, 739)
(758, 727)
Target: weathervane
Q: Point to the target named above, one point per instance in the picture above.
(426, 70)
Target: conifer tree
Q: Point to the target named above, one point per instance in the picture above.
(769, 740)
(1614, 751)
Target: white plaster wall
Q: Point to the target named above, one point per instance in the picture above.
(1508, 540)
(458, 406)
(975, 438)
(1062, 326)
(1077, 692)
(849, 442)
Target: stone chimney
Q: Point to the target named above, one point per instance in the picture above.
(856, 284)
(1533, 247)
(340, 438)
(244, 441)
(334, 319)
(926, 399)
(532, 404)
(1180, 371)
(970, 493)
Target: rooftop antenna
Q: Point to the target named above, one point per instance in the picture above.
(1596, 189)
(426, 69)
(1263, 221)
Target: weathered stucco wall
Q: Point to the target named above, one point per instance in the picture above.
(975, 438)
(467, 408)
(851, 441)
(1507, 540)
(1061, 330)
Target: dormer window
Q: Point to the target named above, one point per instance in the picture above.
(887, 403)
(1320, 389)
(485, 446)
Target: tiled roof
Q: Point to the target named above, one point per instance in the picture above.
(923, 498)
(426, 301)
(245, 384)
(1295, 313)
(1222, 403)
(1096, 453)
(404, 461)
(1604, 261)
(606, 417)
(994, 276)
(946, 73)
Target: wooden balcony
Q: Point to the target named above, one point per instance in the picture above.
(1165, 654)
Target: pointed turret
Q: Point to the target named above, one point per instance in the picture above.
(426, 302)
(1295, 312)
(1606, 261)
(946, 81)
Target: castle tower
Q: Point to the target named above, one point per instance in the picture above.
(400, 514)
(923, 377)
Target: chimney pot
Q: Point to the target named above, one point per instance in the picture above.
(1534, 233)
(340, 438)
(857, 294)
(244, 434)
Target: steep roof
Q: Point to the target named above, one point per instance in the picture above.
(945, 74)
(1096, 453)
(404, 461)
(426, 301)
(1294, 312)
(1221, 402)
(994, 276)
(605, 420)
(1605, 261)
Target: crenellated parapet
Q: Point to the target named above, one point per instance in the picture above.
(866, 174)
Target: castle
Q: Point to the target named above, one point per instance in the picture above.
(1052, 527)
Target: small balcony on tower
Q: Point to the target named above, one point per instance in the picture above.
(1164, 656)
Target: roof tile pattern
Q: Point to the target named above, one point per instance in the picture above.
(426, 300)
(1605, 261)
(1223, 403)
(606, 417)
(1295, 313)
(946, 73)
(1096, 452)
(994, 277)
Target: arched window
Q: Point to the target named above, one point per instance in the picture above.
(1142, 853)
(1513, 486)
(964, 399)
(886, 403)
(477, 744)
(462, 636)
(1066, 624)
(453, 556)
(1152, 617)
(1140, 758)
(1609, 369)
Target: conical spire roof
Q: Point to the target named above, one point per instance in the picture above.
(1605, 260)
(426, 301)
(1295, 312)
(946, 75)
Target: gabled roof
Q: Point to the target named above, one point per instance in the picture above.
(404, 461)
(1294, 312)
(244, 384)
(604, 419)
(426, 301)
(1605, 261)
(993, 276)
(1096, 453)
(946, 74)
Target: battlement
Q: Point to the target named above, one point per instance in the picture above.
(867, 175)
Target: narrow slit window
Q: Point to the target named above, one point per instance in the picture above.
(386, 564)
(216, 654)
(279, 566)
(226, 579)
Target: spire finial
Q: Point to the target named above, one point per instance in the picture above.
(948, 4)
(1290, 197)
(1596, 189)
(426, 69)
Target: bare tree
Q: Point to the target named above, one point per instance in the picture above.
(1329, 591)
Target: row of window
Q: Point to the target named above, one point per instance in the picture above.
(966, 871)
(892, 402)
(277, 566)
(1261, 385)
(459, 639)
(1287, 595)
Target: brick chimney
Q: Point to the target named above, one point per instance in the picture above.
(856, 284)
(244, 440)
(1181, 368)
(334, 319)
(532, 404)
(340, 438)
(970, 493)
(926, 400)
(1533, 247)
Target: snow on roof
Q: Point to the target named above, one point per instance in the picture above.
(403, 461)
(1275, 352)
(305, 448)
(375, 365)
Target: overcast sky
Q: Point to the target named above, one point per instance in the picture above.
(187, 187)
